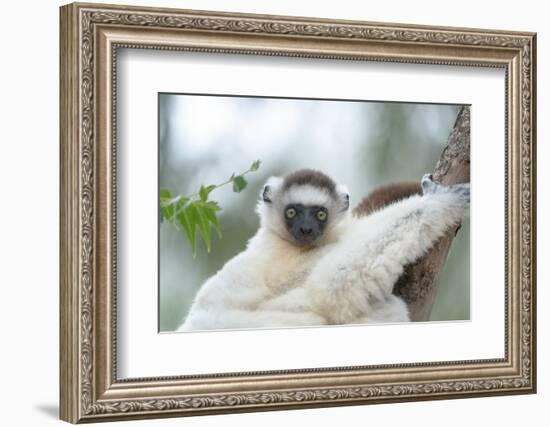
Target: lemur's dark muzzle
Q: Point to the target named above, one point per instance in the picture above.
(304, 226)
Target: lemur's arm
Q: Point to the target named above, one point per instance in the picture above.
(351, 279)
(407, 229)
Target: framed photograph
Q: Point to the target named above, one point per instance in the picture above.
(267, 212)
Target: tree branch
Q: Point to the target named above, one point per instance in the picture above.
(418, 285)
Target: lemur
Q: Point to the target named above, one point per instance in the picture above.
(313, 262)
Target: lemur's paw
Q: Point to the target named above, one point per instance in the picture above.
(428, 185)
(431, 187)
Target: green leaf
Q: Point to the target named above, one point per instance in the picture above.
(179, 203)
(171, 209)
(164, 194)
(239, 184)
(204, 227)
(170, 206)
(203, 193)
(255, 166)
(187, 221)
(213, 205)
(210, 210)
(167, 211)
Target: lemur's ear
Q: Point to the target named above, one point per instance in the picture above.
(266, 194)
(343, 197)
(345, 204)
(270, 187)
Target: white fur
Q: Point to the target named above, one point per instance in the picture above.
(307, 195)
(347, 279)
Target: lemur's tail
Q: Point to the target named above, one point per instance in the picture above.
(386, 195)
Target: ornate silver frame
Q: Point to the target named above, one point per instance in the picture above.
(90, 36)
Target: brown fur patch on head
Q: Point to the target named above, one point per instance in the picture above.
(309, 177)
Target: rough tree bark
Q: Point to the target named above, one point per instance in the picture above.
(418, 285)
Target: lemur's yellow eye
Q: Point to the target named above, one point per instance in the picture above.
(290, 213)
(322, 216)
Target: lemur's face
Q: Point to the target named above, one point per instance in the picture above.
(305, 223)
(303, 207)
